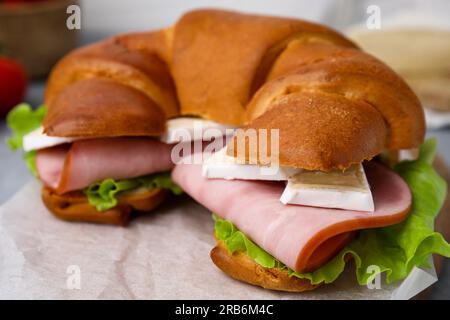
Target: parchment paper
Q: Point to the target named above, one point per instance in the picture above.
(161, 255)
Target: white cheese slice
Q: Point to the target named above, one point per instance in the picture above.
(178, 130)
(392, 157)
(220, 165)
(185, 129)
(408, 154)
(336, 189)
(37, 139)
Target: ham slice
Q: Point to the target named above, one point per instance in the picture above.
(73, 167)
(50, 163)
(292, 233)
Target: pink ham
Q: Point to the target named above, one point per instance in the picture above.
(50, 163)
(86, 161)
(292, 233)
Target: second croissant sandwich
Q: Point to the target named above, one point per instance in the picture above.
(102, 142)
(97, 145)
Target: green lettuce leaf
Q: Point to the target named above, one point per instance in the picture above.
(427, 151)
(395, 250)
(235, 240)
(102, 195)
(30, 160)
(22, 119)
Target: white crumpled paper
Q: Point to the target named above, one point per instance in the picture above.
(161, 255)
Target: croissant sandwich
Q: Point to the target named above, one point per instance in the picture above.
(327, 164)
(101, 143)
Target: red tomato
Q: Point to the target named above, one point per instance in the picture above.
(13, 82)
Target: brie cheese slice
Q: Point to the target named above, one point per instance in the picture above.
(37, 139)
(220, 165)
(347, 189)
(185, 129)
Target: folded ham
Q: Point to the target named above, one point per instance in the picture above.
(293, 233)
(72, 167)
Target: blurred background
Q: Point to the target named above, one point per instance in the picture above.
(412, 36)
